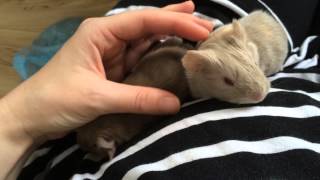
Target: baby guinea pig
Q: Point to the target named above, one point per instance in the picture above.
(232, 64)
(161, 67)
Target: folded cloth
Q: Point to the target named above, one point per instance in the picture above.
(30, 59)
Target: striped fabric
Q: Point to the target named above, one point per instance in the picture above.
(278, 138)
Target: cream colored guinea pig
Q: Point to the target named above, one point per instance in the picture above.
(232, 64)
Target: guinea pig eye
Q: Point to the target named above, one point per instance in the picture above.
(228, 81)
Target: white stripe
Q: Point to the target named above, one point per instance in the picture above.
(294, 58)
(305, 76)
(35, 155)
(310, 76)
(308, 63)
(63, 155)
(194, 102)
(268, 146)
(232, 6)
(295, 50)
(296, 112)
(280, 22)
(315, 96)
(215, 22)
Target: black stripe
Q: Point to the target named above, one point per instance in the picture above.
(289, 99)
(314, 69)
(298, 24)
(314, 47)
(294, 164)
(248, 7)
(296, 84)
(126, 3)
(246, 129)
(66, 168)
(211, 9)
(40, 164)
(315, 27)
(276, 99)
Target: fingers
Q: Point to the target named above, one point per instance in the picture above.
(185, 7)
(117, 72)
(136, 99)
(138, 49)
(108, 34)
(203, 23)
(127, 59)
(171, 20)
(135, 25)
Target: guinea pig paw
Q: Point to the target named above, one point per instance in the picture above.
(108, 145)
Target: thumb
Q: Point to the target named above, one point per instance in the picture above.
(123, 98)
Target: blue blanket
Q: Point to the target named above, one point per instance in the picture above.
(29, 60)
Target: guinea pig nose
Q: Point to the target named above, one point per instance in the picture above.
(258, 96)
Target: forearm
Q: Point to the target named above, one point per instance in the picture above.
(14, 143)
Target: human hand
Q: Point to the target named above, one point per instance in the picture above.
(80, 83)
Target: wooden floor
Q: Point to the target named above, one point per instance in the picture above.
(22, 20)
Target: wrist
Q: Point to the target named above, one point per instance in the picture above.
(11, 129)
(19, 115)
(11, 123)
(14, 142)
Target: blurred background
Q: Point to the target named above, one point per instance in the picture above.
(21, 21)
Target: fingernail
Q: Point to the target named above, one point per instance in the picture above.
(169, 105)
(188, 1)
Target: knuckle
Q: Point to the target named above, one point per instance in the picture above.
(140, 99)
(93, 104)
(88, 23)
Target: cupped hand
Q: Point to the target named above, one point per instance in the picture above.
(81, 82)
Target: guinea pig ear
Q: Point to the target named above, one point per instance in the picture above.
(194, 61)
(239, 30)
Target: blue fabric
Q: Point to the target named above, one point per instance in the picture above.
(29, 60)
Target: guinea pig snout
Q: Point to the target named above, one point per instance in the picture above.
(258, 96)
(259, 93)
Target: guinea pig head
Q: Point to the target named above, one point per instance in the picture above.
(226, 68)
(224, 79)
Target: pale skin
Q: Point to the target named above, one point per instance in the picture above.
(81, 82)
